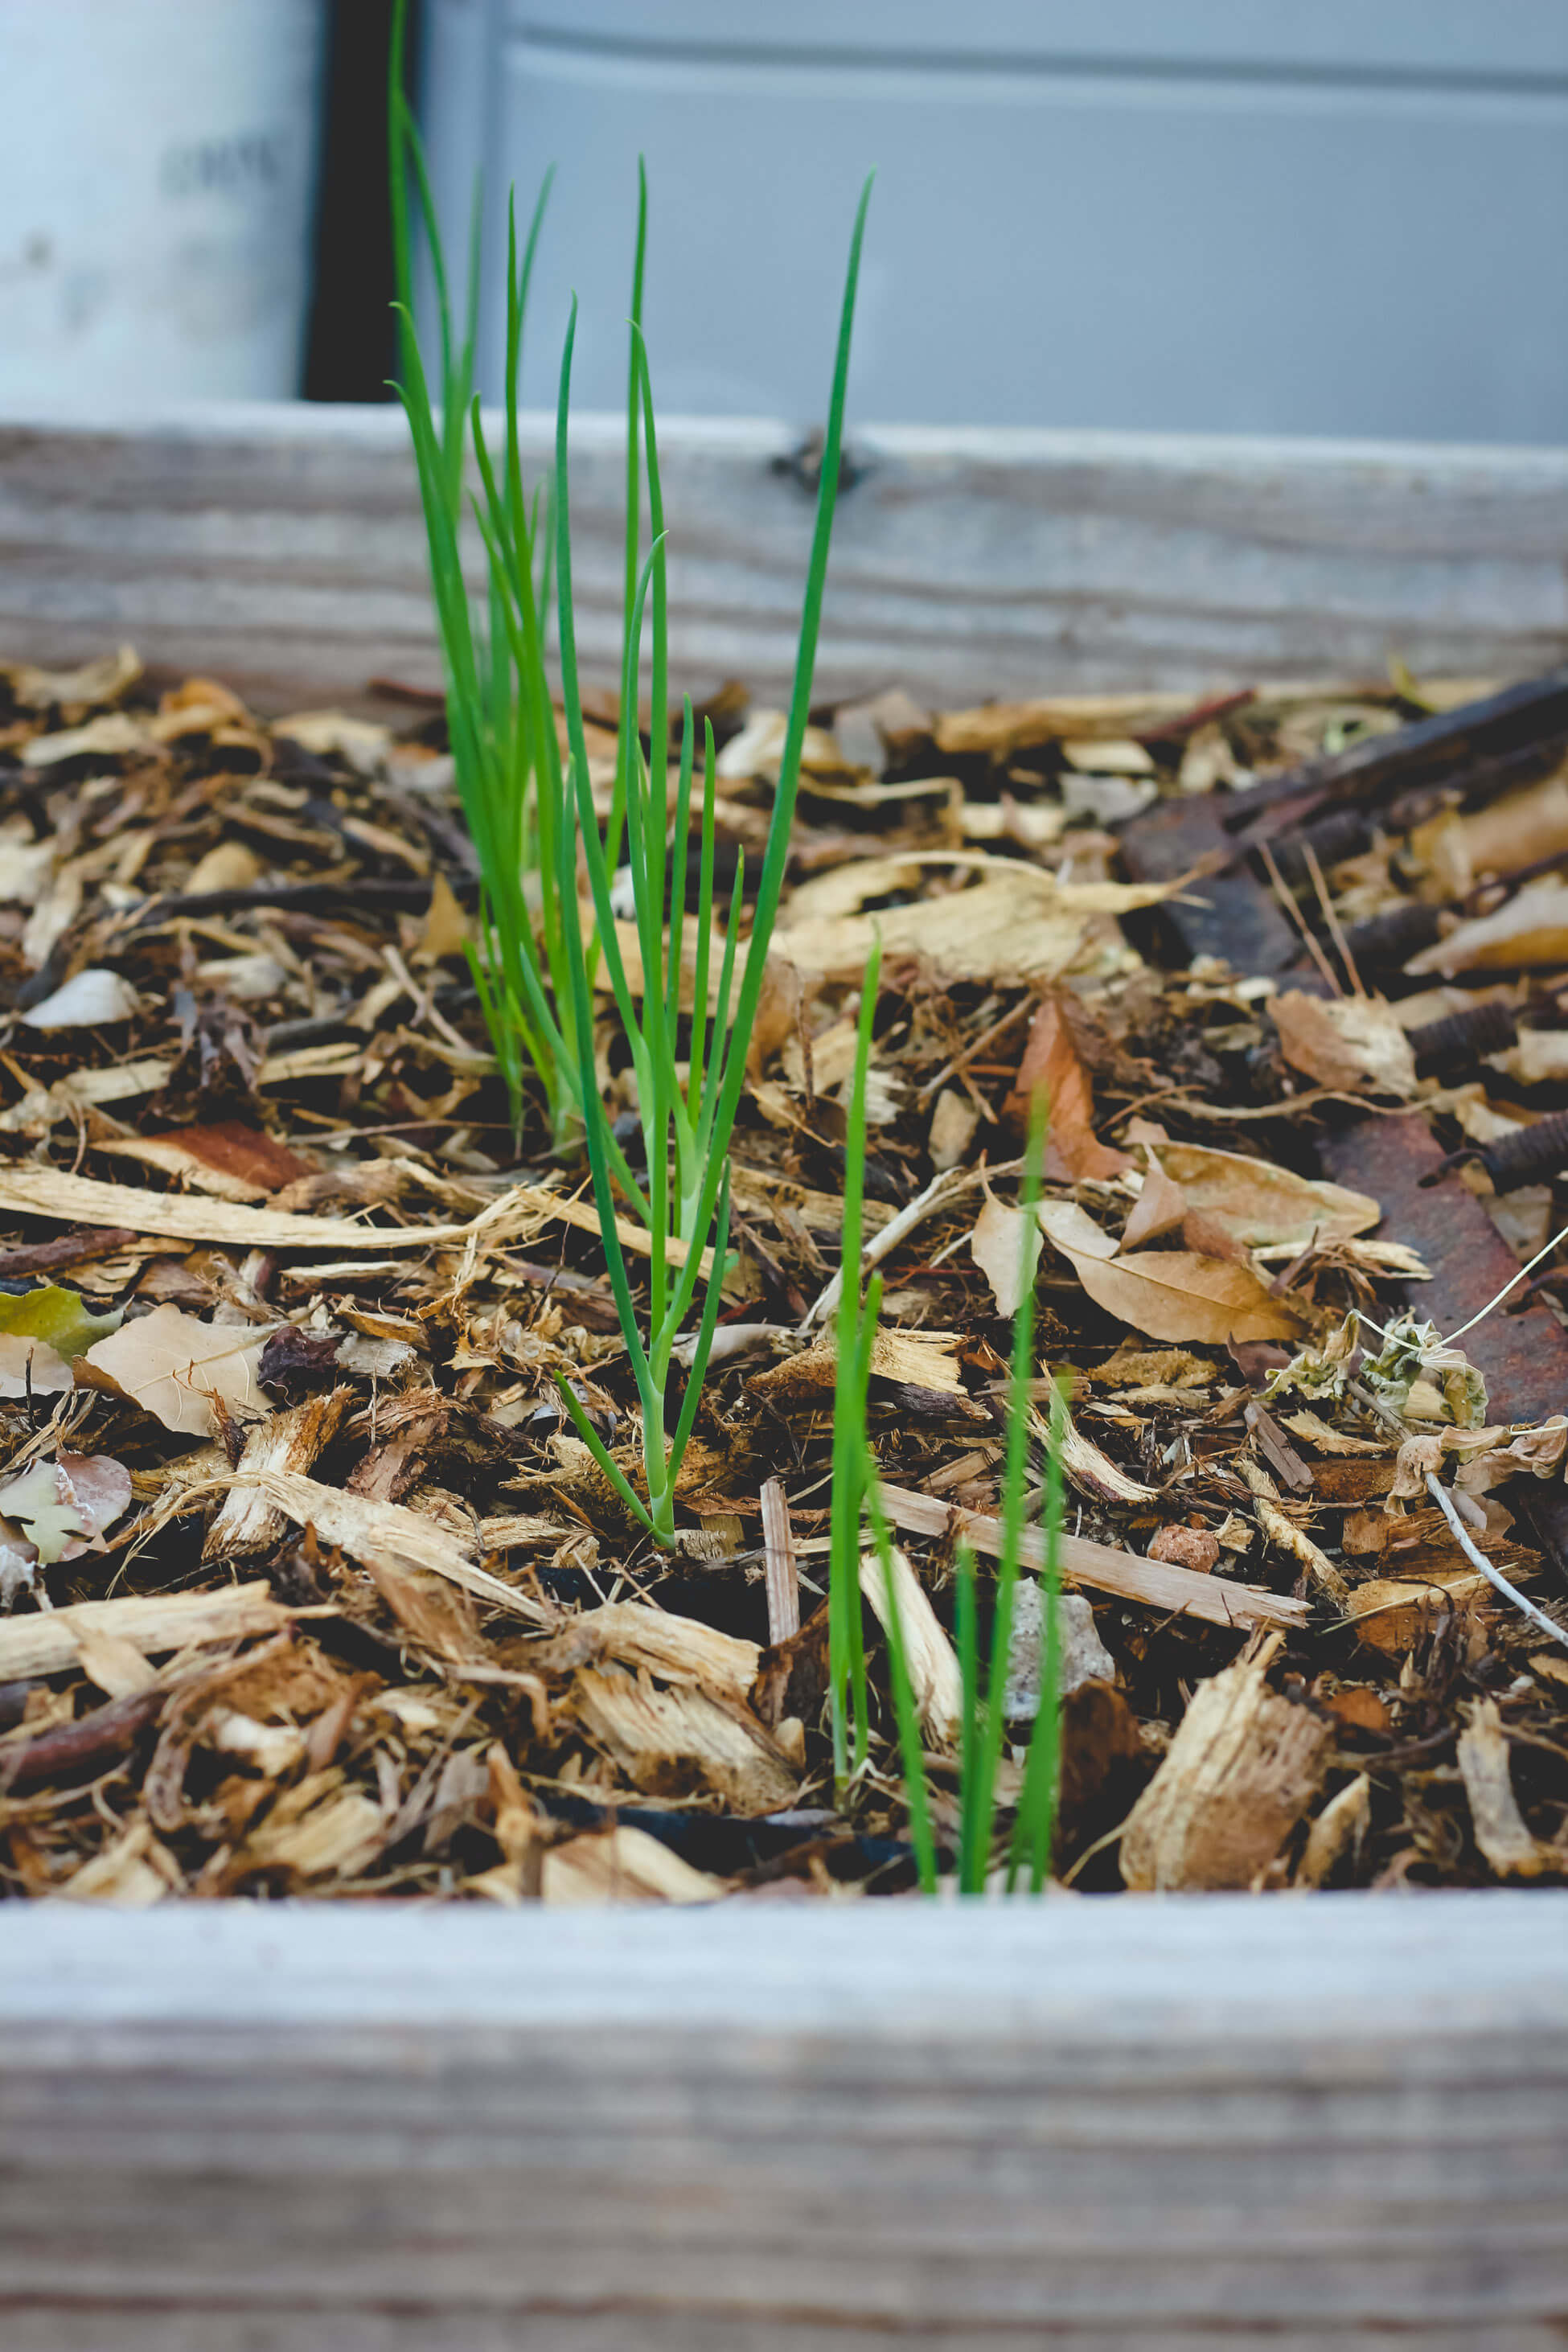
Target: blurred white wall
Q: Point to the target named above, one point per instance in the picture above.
(157, 172)
(1244, 215)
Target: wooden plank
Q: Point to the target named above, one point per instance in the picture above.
(328, 2130)
(280, 546)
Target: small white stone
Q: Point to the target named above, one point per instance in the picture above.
(88, 999)
(1084, 1657)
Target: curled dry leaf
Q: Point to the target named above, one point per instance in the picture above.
(1486, 1458)
(1051, 1065)
(26, 867)
(998, 1245)
(1160, 1208)
(1166, 1294)
(115, 733)
(76, 691)
(953, 1122)
(66, 1504)
(929, 1656)
(365, 743)
(1341, 1823)
(42, 1332)
(1351, 1043)
(173, 1366)
(1502, 1831)
(1257, 1203)
(445, 929)
(55, 1510)
(1530, 929)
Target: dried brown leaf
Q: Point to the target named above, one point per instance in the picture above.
(1005, 1246)
(1160, 1207)
(1167, 1294)
(173, 1367)
(1257, 1203)
(929, 1656)
(1529, 929)
(1051, 1065)
(1354, 1043)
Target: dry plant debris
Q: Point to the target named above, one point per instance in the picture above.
(311, 1586)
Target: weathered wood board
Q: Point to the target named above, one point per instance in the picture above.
(281, 547)
(1089, 2123)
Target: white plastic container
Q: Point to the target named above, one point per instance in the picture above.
(1222, 215)
(157, 185)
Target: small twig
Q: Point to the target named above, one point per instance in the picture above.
(1502, 1293)
(1308, 936)
(779, 1565)
(961, 1060)
(1494, 1576)
(936, 1195)
(1335, 932)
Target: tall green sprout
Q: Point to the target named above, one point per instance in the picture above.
(856, 1492)
(687, 1104)
(537, 831)
(856, 1334)
(500, 717)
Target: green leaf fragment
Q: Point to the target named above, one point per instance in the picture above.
(61, 1318)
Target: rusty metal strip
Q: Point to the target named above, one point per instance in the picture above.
(1523, 1356)
(1226, 914)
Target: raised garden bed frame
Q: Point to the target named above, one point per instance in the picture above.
(1105, 2122)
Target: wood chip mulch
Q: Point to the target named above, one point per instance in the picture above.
(309, 1587)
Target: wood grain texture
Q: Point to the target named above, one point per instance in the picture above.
(1082, 2125)
(280, 546)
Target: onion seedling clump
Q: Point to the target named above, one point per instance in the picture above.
(548, 856)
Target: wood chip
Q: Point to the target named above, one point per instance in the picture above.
(1242, 1769)
(682, 1742)
(622, 1864)
(781, 1574)
(292, 1440)
(1502, 1831)
(48, 1644)
(374, 1532)
(929, 1656)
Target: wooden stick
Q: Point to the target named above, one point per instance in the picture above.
(1175, 1591)
(184, 1216)
(778, 1548)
